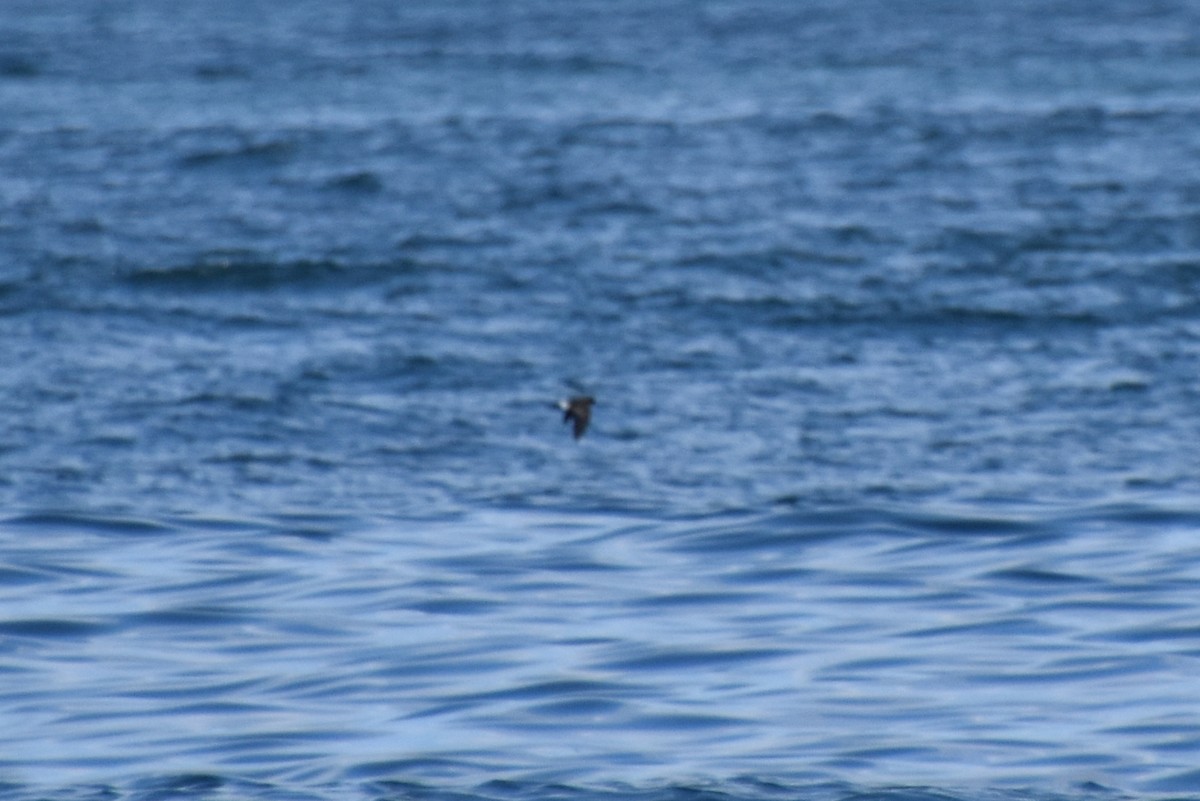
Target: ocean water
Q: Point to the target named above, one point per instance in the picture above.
(891, 314)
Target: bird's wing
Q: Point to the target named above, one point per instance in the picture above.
(581, 422)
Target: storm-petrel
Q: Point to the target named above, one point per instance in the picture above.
(577, 409)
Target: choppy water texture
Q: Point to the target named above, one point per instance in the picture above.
(890, 310)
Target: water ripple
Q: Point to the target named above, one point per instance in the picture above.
(889, 311)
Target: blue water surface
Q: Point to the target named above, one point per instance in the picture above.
(889, 308)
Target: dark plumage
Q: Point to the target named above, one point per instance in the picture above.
(578, 410)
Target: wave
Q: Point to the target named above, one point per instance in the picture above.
(247, 271)
(241, 153)
(210, 785)
(648, 645)
(21, 66)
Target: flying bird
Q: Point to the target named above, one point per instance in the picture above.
(577, 410)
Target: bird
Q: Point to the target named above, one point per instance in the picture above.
(578, 410)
